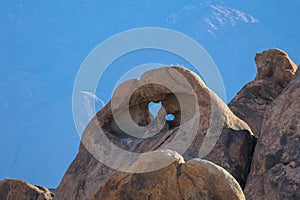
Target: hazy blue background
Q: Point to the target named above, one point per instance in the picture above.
(42, 45)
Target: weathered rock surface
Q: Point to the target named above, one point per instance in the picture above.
(196, 179)
(274, 71)
(275, 171)
(275, 65)
(202, 179)
(12, 189)
(234, 142)
(126, 153)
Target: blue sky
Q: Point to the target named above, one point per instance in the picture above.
(42, 45)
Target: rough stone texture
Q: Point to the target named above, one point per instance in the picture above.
(160, 184)
(196, 179)
(233, 149)
(202, 179)
(270, 104)
(275, 171)
(274, 71)
(275, 65)
(12, 189)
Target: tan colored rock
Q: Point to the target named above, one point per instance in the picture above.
(252, 100)
(182, 93)
(275, 65)
(275, 171)
(196, 179)
(202, 179)
(274, 71)
(161, 184)
(16, 189)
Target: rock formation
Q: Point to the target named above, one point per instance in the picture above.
(274, 71)
(12, 189)
(196, 179)
(183, 94)
(205, 152)
(275, 171)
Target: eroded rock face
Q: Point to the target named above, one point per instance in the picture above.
(196, 179)
(183, 94)
(17, 189)
(202, 179)
(274, 71)
(275, 65)
(275, 171)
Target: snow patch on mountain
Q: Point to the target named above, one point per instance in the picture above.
(214, 15)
